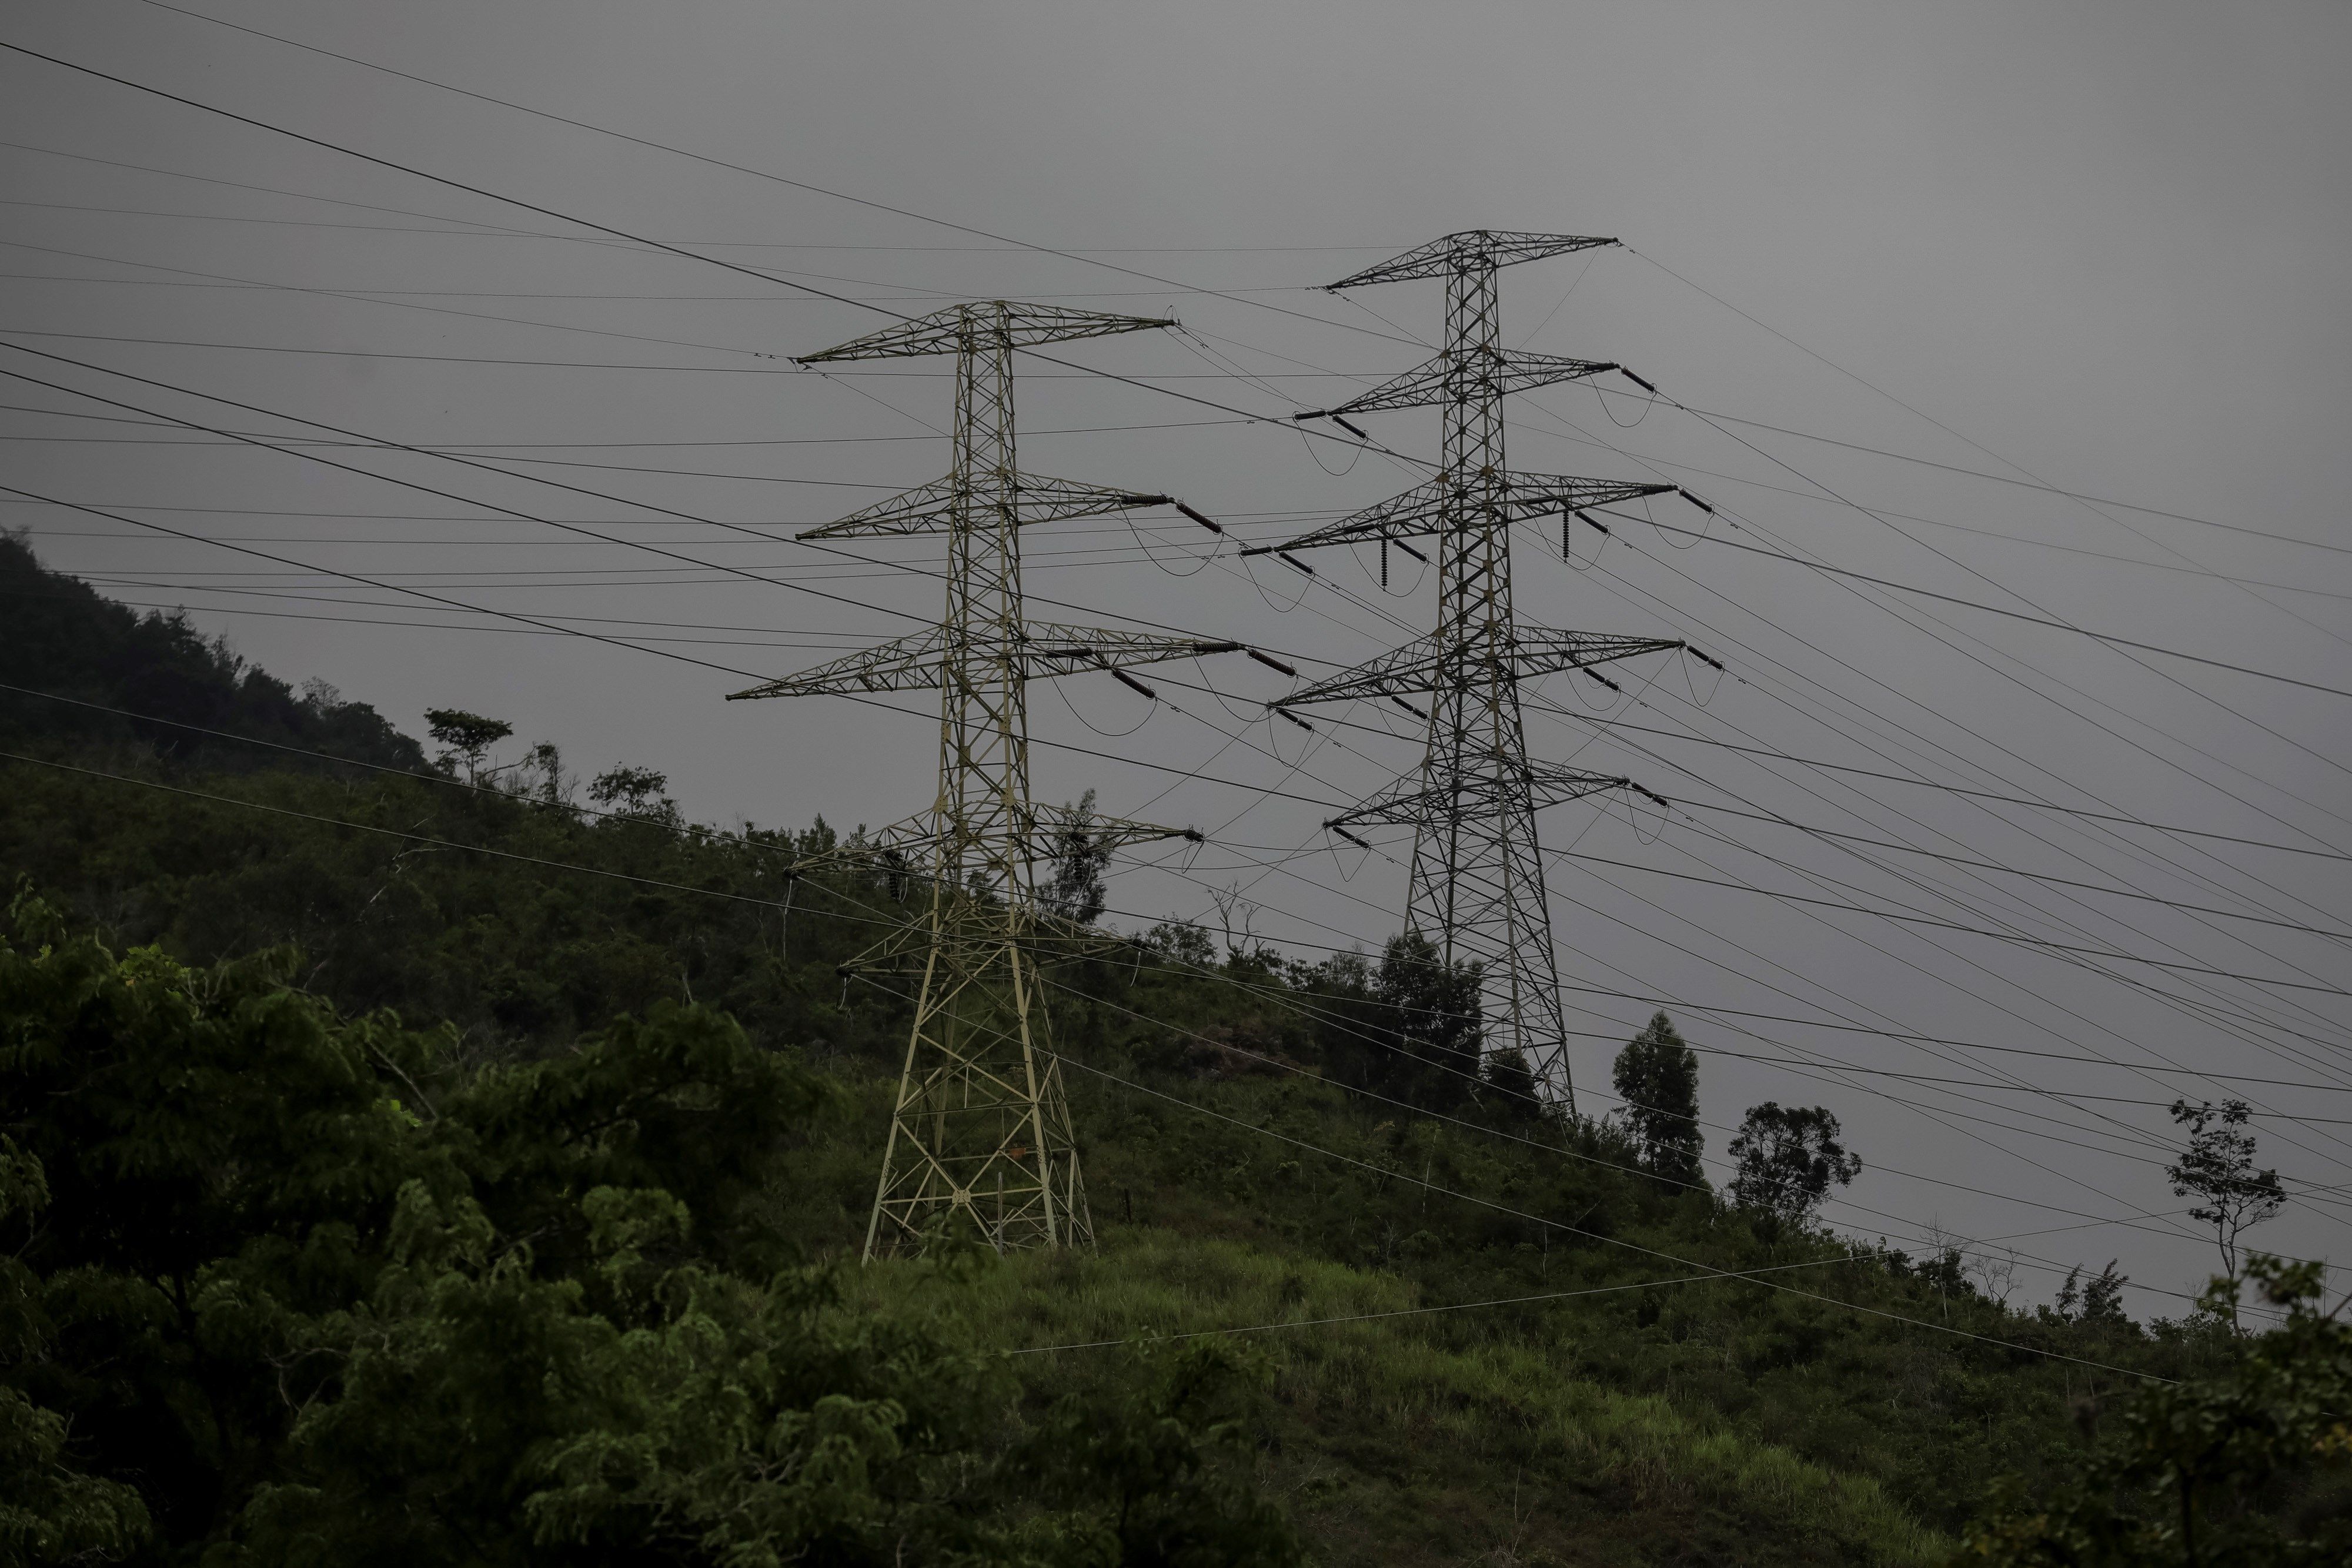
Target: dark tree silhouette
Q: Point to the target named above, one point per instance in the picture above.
(1788, 1160)
(2218, 1170)
(467, 735)
(1657, 1074)
(1076, 893)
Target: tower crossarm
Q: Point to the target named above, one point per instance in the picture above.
(1469, 248)
(1496, 372)
(1017, 325)
(1430, 508)
(910, 846)
(1422, 666)
(1046, 649)
(935, 507)
(902, 664)
(1051, 649)
(1409, 803)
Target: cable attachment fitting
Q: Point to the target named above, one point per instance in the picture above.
(1339, 419)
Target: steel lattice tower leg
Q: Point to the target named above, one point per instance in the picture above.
(981, 1127)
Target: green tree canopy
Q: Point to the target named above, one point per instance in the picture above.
(1788, 1159)
(1657, 1074)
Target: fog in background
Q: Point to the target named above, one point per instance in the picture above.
(2096, 249)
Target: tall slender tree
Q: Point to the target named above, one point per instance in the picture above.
(1657, 1076)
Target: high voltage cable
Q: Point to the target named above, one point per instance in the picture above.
(1939, 425)
(1956, 757)
(1987, 608)
(459, 784)
(2006, 675)
(450, 457)
(1770, 986)
(1292, 1005)
(606, 228)
(1949, 925)
(2206, 879)
(2192, 569)
(2031, 688)
(2011, 655)
(1908, 849)
(1655, 992)
(1932, 522)
(490, 448)
(2126, 982)
(618, 643)
(718, 163)
(1091, 260)
(528, 205)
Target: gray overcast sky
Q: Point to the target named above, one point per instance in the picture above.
(2099, 245)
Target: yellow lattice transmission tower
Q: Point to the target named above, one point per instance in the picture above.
(980, 1129)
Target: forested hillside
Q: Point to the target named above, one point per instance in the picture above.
(455, 1160)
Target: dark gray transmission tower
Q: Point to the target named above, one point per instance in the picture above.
(1477, 880)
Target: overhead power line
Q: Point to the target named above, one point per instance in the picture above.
(2118, 641)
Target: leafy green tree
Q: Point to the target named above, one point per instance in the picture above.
(467, 736)
(2217, 1169)
(1080, 857)
(2250, 1467)
(1410, 1028)
(1787, 1158)
(303, 1292)
(1657, 1075)
(635, 791)
(50, 1511)
(2095, 1303)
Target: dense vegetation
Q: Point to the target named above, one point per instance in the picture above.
(414, 1162)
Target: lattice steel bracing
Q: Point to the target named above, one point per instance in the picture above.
(981, 1127)
(1477, 880)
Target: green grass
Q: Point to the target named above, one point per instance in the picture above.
(1420, 1439)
